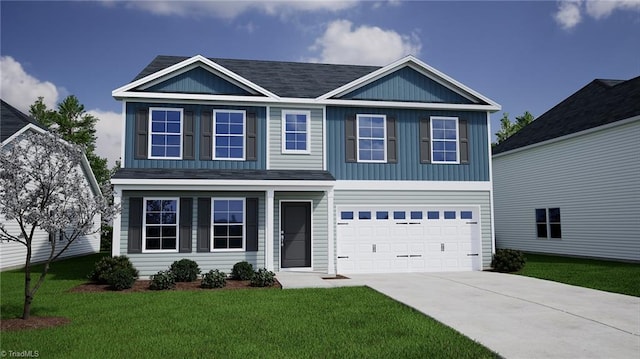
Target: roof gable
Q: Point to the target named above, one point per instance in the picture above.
(12, 121)
(198, 80)
(599, 103)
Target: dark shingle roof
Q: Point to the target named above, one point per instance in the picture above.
(598, 103)
(209, 174)
(285, 79)
(12, 120)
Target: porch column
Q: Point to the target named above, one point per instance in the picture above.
(268, 229)
(331, 268)
(117, 222)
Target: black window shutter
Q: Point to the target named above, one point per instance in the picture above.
(392, 140)
(142, 128)
(186, 220)
(252, 138)
(425, 138)
(134, 235)
(252, 224)
(350, 145)
(188, 141)
(206, 135)
(204, 225)
(463, 134)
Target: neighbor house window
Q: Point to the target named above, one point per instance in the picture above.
(372, 144)
(444, 140)
(548, 223)
(165, 133)
(228, 224)
(160, 224)
(229, 138)
(296, 132)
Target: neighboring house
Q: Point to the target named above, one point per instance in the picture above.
(569, 182)
(303, 166)
(13, 125)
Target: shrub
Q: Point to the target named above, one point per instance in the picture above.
(508, 260)
(214, 279)
(163, 280)
(122, 278)
(107, 265)
(242, 271)
(185, 270)
(262, 278)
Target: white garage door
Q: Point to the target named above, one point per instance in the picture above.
(405, 239)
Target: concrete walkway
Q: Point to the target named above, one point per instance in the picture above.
(518, 317)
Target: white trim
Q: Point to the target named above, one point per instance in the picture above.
(117, 223)
(331, 228)
(144, 225)
(268, 228)
(123, 136)
(283, 140)
(151, 133)
(491, 202)
(244, 225)
(244, 135)
(343, 185)
(571, 135)
(267, 144)
(310, 201)
(384, 138)
(432, 139)
(324, 138)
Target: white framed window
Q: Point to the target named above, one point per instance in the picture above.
(372, 138)
(165, 133)
(296, 131)
(160, 225)
(228, 224)
(229, 133)
(445, 146)
(548, 223)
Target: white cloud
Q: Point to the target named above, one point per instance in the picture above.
(20, 89)
(365, 45)
(231, 9)
(569, 13)
(109, 135)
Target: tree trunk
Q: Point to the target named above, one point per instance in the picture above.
(26, 312)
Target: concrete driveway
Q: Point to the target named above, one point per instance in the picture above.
(518, 317)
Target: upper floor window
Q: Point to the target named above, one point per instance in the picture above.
(444, 140)
(296, 131)
(229, 134)
(165, 133)
(160, 224)
(372, 134)
(228, 224)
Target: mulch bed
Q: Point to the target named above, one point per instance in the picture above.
(139, 286)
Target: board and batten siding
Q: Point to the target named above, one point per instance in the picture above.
(151, 263)
(481, 199)
(593, 178)
(13, 254)
(294, 161)
(319, 234)
(198, 80)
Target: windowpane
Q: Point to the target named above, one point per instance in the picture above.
(541, 215)
(229, 135)
(153, 243)
(235, 243)
(542, 230)
(433, 215)
(364, 215)
(554, 228)
(153, 218)
(220, 243)
(153, 231)
(166, 133)
(371, 138)
(399, 215)
(554, 215)
(416, 215)
(382, 215)
(346, 215)
(466, 215)
(168, 243)
(228, 220)
(161, 224)
(295, 132)
(445, 140)
(449, 215)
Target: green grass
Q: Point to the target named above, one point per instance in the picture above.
(263, 323)
(617, 277)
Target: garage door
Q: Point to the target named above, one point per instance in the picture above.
(390, 240)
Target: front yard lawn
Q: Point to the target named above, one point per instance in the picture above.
(617, 277)
(266, 323)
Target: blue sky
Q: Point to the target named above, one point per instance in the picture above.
(523, 55)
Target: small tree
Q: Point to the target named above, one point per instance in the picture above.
(42, 185)
(508, 129)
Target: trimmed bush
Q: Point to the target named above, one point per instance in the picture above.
(263, 278)
(122, 278)
(107, 265)
(508, 260)
(242, 271)
(163, 280)
(185, 270)
(214, 279)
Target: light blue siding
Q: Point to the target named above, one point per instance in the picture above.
(279, 160)
(408, 85)
(130, 162)
(408, 166)
(198, 80)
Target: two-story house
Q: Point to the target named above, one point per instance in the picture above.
(303, 166)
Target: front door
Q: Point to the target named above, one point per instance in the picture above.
(295, 234)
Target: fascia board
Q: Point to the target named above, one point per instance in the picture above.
(244, 185)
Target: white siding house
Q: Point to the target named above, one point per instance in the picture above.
(569, 183)
(13, 125)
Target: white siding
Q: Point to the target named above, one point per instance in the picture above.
(479, 199)
(595, 181)
(282, 161)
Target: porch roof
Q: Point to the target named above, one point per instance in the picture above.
(225, 175)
